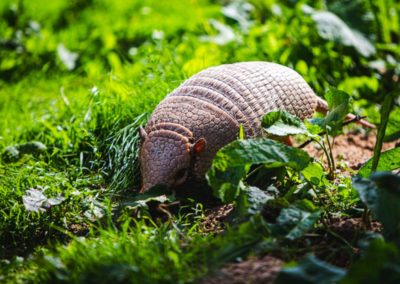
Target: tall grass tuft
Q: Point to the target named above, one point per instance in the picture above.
(122, 156)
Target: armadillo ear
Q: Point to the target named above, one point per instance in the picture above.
(142, 133)
(199, 145)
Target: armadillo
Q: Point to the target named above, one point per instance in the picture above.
(205, 112)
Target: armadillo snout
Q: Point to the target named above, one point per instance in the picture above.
(164, 159)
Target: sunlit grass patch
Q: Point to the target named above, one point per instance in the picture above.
(139, 252)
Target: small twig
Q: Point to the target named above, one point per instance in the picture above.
(355, 119)
(336, 235)
(254, 171)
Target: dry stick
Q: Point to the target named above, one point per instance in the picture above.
(336, 235)
(355, 119)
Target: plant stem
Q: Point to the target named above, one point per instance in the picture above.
(385, 112)
(328, 157)
(332, 165)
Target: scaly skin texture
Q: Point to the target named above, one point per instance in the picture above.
(211, 106)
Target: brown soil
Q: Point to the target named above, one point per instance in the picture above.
(348, 227)
(338, 245)
(353, 149)
(253, 270)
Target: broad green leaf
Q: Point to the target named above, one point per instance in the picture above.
(35, 200)
(311, 271)
(331, 27)
(10, 154)
(269, 152)
(227, 184)
(305, 204)
(282, 123)
(354, 13)
(256, 199)
(252, 200)
(313, 125)
(294, 222)
(380, 264)
(314, 173)
(389, 160)
(338, 104)
(393, 128)
(240, 12)
(385, 110)
(232, 163)
(381, 194)
(335, 99)
(158, 193)
(225, 33)
(14, 153)
(31, 147)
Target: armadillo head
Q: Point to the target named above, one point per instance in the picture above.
(166, 157)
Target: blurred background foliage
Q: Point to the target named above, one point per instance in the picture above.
(351, 45)
(343, 43)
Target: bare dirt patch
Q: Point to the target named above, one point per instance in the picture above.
(339, 243)
(353, 148)
(348, 227)
(253, 270)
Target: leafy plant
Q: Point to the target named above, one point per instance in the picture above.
(385, 112)
(331, 125)
(389, 160)
(381, 194)
(383, 257)
(295, 222)
(282, 123)
(232, 163)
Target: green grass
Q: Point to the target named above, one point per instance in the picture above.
(130, 55)
(137, 253)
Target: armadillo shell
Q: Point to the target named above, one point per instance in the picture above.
(216, 101)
